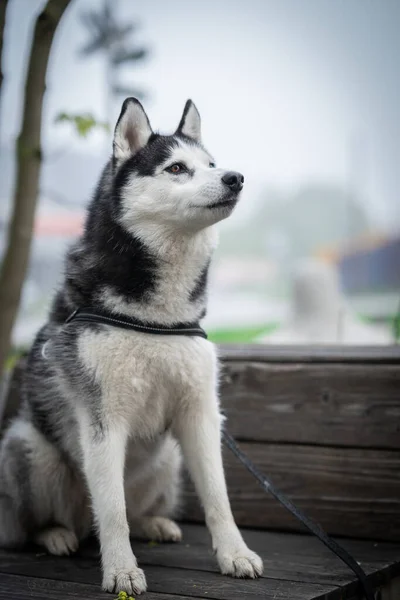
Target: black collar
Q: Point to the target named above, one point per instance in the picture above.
(108, 318)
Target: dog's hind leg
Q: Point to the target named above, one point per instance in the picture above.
(152, 501)
(12, 533)
(57, 540)
(41, 500)
(157, 529)
(15, 514)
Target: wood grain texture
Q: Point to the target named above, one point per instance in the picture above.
(297, 567)
(161, 580)
(289, 557)
(351, 492)
(327, 404)
(15, 587)
(312, 354)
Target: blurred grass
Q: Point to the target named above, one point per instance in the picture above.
(13, 358)
(240, 335)
(246, 335)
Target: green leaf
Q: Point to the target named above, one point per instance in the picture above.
(83, 124)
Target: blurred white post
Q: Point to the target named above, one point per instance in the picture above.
(357, 169)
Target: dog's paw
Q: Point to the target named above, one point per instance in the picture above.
(240, 563)
(132, 580)
(58, 540)
(161, 529)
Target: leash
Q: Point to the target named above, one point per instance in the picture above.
(311, 525)
(194, 329)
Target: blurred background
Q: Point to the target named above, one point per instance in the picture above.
(301, 96)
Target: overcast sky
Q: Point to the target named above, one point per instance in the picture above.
(290, 91)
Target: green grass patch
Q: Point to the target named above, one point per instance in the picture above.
(240, 335)
(13, 357)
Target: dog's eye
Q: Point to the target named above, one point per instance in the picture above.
(176, 168)
(212, 165)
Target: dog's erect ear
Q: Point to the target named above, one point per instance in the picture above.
(190, 123)
(132, 131)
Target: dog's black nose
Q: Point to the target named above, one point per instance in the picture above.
(233, 180)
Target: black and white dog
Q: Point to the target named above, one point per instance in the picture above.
(105, 410)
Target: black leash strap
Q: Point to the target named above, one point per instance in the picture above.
(89, 316)
(316, 529)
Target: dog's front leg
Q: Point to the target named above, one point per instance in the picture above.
(199, 432)
(104, 459)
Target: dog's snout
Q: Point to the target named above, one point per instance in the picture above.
(233, 180)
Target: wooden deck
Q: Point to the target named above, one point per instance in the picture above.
(324, 423)
(297, 567)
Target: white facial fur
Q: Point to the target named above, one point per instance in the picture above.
(180, 201)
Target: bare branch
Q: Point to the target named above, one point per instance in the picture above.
(29, 158)
(3, 8)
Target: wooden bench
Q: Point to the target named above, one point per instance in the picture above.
(325, 425)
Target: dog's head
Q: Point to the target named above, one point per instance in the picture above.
(169, 179)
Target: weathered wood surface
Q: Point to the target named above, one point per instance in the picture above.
(314, 354)
(328, 404)
(14, 587)
(351, 492)
(297, 567)
(324, 423)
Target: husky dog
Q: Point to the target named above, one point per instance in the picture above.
(106, 411)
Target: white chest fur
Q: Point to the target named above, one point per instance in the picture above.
(145, 379)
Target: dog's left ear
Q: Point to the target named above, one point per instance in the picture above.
(132, 131)
(190, 123)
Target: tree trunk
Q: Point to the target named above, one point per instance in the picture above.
(29, 158)
(3, 8)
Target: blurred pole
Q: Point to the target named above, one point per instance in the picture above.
(111, 7)
(3, 9)
(28, 159)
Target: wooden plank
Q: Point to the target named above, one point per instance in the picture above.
(213, 585)
(290, 557)
(314, 354)
(296, 566)
(15, 587)
(351, 492)
(161, 580)
(328, 404)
